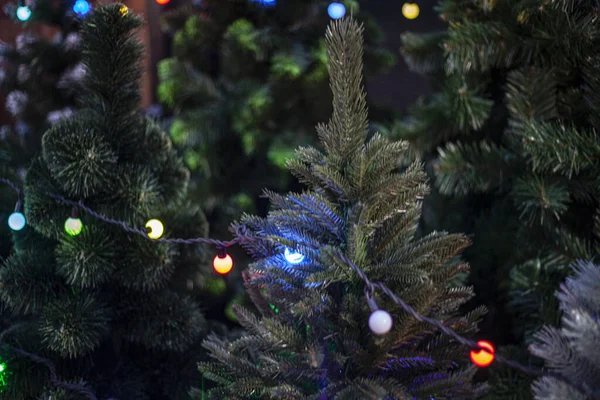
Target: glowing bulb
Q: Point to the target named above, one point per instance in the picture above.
(162, 2)
(73, 226)
(410, 10)
(223, 265)
(483, 357)
(81, 7)
(16, 221)
(156, 228)
(267, 3)
(380, 322)
(124, 11)
(293, 257)
(336, 10)
(23, 13)
(2, 367)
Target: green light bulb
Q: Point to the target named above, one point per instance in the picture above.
(73, 226)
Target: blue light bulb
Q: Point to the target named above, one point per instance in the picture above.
(81, 7)
(336, 10)
(266, 3)
(23, 13)
(16, 221)
(293, 257)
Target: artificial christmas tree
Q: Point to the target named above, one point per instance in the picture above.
(246, 85)
(39, 80)
(510, 139)
(319, 334)
(572, 352)
(104, 304)
(39, 77)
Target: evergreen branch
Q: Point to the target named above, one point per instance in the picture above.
(423, 52)
(370, 289)
(80, 388)
(475, 167)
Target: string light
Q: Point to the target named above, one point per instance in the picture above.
(73, 226)
(380, 321)
(156, 228)
(23, 13)
(16, 221)
(484, 356)
(336, 10)
(410, 10)
(223, 264)
(81, 7)
(162, 2)
(266, 3)
(124, 11)
(293, 257)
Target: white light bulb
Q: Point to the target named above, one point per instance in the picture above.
(380, 322)
(293, 257)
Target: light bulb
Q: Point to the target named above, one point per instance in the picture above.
(223, 265)
(293, 257)
(124, 11)
(380, 322)
(81, 7)
(73, 226)
(483, 357)
(336, 10)
(267, 3)
(23, 13)
(156, 228)
(162, 2)
(410, 10)
(16, 221)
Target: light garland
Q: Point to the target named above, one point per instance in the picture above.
(482, 352)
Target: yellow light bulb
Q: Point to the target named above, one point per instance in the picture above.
(124, 11)
(410, 10)
(156, 228)
(223, 265)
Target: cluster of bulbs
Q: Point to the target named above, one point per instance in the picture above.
(80, 7)
(380, 321)
(222, 263)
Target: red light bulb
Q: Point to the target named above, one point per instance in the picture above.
(484, 356)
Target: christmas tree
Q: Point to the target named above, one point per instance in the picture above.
(571, 352)
(246, 85)
(40, 77)
(510, 141)
(40, 80)
(312, 338)
(104, 305)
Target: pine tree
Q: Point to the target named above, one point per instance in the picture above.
(39, 76)
(510, 139)
(572, 351)
(40, 79)
(311, 339)
(246, 84)
(105, 305)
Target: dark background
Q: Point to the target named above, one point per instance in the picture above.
(400, 87)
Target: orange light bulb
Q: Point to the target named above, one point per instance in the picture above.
(162, 2)
(483, 357)
(223, 265)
